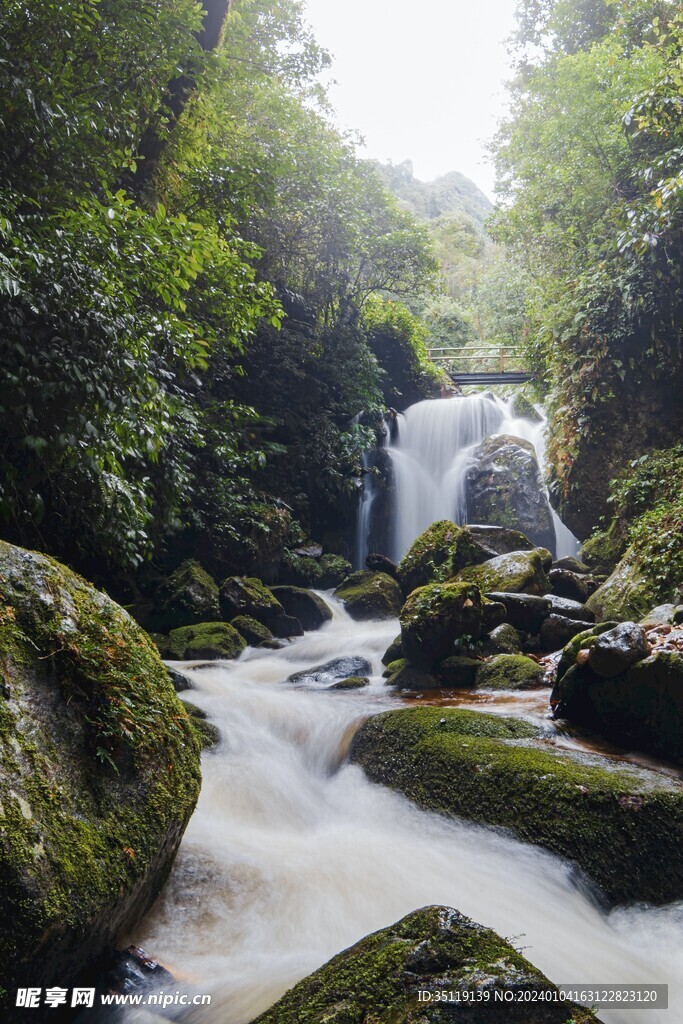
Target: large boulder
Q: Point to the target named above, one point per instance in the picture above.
(626, 594)
(99, 772)
(622, 824)
(437, 616)
(254, 632)
(616, 650)
(505, 488)
(518, 572)
(430, 552)
(370, 595)
(205, 641)
(380, 978)
(242, 595)
(307, 607)
(189, 595)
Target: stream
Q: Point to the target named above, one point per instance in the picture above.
(292, 855)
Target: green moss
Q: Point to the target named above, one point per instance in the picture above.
(377, 980)
(351, 683)
(253, 631)
(518, 572)
(429, 557)
(509, 672)
(189, 595)
(334, 570)
(370, 595)
(623, 825)
(206, 640)
(242, 595)
(435, 617)
(99, 769)
(603, 549)
(394, 651)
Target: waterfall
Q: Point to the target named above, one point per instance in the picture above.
(430, 457)
(292, 855)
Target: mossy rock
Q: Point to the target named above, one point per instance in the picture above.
(431, 552)
(99, 771)
(458, 671)
(405, 676)
(304, 605)
(437, 616)
(189, 595)
(505, 639)
(334, 570)
(603, 549)
(242, 595)
(510, 672)
(623, 825)
(394, 651)
(210, 640)
(583, 641)
(351, 683)
(370, 595)
(208, 733)
(378, 980)
(305, 571)
(518, 572)
(253, 631)
(626, 594)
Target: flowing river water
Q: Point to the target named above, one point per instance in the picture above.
(292, 855)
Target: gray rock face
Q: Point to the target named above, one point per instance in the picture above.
(498, 539)
(616, 650)
(572, 585)
(332, 671)
(570, 609)
(504, 488)
(558, 630)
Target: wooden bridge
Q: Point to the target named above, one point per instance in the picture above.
(484, 364)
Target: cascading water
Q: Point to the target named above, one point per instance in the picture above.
(431, 455)
(292, 855)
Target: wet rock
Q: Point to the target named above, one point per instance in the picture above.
(333, 570)
(505, 639)
(351, 683)
(499, 540)
(526, 612)
(132, 970)
(370, 595)
(572, 585)
(304, 605)
(617, 649)
(380, 563)
(394, 651)
(581, 642)
(180, 680)
(664, 614)
(623, 825)
(557, 631)
(188, 596)
(519, 572)
(253, 631)
(510, 672)
(428, 554)
(458, 671)
(287, 626)
(211, 640)
(640, 709)
(504, 486)
(572, 564)
(379, 979)
(332, 671)
(570, 609)
(493, 614)
(435, 617)
(312, 550)
(209, 734)
(99, 772)
(241, 595)
(405, 676)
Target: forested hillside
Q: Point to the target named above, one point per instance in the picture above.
(188, 249)
(591, 177)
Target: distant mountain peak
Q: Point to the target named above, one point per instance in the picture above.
(449, 193)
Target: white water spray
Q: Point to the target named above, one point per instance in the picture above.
(292, 856)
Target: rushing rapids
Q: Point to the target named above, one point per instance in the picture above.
(430, 455)
(293, 855)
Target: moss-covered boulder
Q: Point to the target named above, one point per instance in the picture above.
(210, 640)
(641, 709)
(208, 733)
(504, 639)
(499, 540)
(622, 824)
(189, 595)
(405, 676)
(379, 979)
(582, 641)
(313, 569)
(626, 594)
(242, 595)
(394, 651)
(437, 616)
(510, 672)
(307, 607)
(428, 554)
(519, 572)
(253, 631)
(370, 595)
(351, 683)
(99, 771)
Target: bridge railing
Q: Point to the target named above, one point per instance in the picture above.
(479, 359)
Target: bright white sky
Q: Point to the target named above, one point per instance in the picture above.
(421, 80)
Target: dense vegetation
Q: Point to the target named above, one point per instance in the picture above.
(591, 174)
(187, 250)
